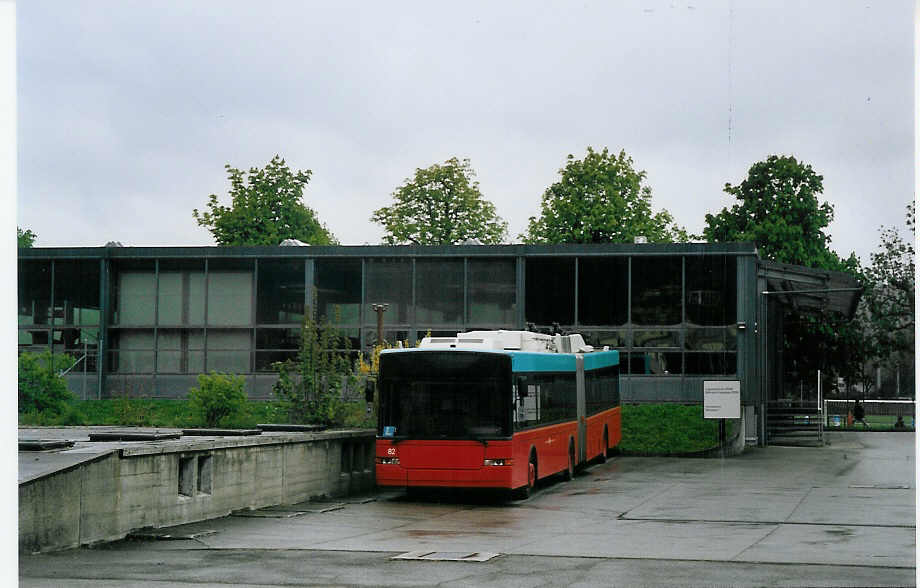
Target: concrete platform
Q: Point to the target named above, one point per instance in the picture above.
(842, 515)
(101, 491)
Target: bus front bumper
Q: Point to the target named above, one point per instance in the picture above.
(483, 477)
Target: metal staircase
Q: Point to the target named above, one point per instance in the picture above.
(795, 423)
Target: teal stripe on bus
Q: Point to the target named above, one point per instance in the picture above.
(524, 361)
(601, 359)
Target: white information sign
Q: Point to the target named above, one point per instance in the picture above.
(722, 399)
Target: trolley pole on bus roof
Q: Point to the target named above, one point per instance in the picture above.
(379, 309)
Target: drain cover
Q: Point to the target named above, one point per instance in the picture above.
(471, 556)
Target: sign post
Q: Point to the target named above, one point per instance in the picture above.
(721, 400)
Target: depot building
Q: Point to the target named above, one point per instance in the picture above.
(148, 320)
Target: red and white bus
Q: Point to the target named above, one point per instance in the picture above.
(494, 409)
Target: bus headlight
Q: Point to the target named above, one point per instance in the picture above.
(388, 460)
(497, 462)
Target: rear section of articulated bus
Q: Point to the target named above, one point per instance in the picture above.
(444, 419)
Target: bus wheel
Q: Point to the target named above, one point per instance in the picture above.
(603, 457)
(526, 490)
(569, 473)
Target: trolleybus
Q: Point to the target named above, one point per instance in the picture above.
(494, 409)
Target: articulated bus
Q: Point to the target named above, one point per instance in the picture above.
(494, 409)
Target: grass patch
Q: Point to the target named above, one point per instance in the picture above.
(663, 429)
(171, 413)
(877, 422)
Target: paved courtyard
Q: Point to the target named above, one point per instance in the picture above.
(841, 515)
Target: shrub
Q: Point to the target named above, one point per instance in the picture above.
(310, 388)
(218, 396)
(41, 388)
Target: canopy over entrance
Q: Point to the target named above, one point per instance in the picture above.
(807, 288)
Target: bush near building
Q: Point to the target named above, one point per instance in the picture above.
(217, 397)
(42, 389)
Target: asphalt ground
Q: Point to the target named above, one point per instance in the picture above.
(841, 515)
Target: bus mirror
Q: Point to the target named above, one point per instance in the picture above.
(369, 386)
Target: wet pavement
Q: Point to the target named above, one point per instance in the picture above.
(842, 515)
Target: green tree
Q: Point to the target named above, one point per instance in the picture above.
(41, 387)
(310, 388)
(778, 209)
(267, 207)
(440, 205)
(25, 239)
(601, 199)
(888, 316)
(217, 397)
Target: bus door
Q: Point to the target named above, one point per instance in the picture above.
(580, 409)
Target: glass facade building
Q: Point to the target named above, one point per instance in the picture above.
(150, 319)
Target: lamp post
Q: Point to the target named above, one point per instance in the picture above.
(379, 308)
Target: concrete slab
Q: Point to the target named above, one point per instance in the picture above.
(142, 566)
(830, 544)
(35, 464)
(833, 516)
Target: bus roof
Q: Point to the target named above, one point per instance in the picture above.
(531, 361)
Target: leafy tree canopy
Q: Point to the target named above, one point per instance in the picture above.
(25, 239)
(440, 205)
(267, 207)
(601, 199)
(891, 292)
(778, 209)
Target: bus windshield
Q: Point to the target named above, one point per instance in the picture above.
(445, 395)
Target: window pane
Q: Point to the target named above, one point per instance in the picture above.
(265, 360)
(179, 351)
(35, 340)
(281, 291)
(602, 290)
(76, 292)
(725, 339)
(136, 297)
(390, 281)
(132, 350)
(391, 336)
(711, 290)
(656, 287)
(711, 363)
(550, 291)
(439, 291)
(229, 297)
(612, 339)
(429, 332)
(34, 287)
(338, 289)
(278, 339)
(492, 292)
(661, 338)
(655, 362)
(228, 350)
(73, 340)
(180, 297)
(170, 299)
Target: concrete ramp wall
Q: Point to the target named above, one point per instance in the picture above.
(162, 484)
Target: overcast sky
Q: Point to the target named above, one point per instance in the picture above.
(128, 111)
